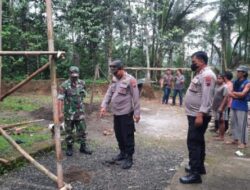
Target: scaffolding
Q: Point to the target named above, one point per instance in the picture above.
(52, 55)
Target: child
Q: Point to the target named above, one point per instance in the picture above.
(229, 84)
(219, 105)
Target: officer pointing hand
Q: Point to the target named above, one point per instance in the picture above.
(123, 95)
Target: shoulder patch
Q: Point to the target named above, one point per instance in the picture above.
(133, 82)
(208, 80)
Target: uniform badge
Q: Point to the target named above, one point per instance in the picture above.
(208, 80)
(133, 83)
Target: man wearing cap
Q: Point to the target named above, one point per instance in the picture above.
(240, 108)
(198, 103)
(71, 108)
(123, 94)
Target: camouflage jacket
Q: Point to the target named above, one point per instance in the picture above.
(73, 99)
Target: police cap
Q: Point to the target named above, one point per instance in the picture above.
(116, 63)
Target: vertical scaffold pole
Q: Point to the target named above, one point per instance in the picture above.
(54, 95)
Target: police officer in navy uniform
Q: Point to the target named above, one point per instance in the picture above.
(198, 103)
(123, 95)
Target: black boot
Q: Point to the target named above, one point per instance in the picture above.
(85, 150)
(201, 172)
(69, 151)
(116, 159)
(127, 163)
(191, 178)
(119, 157)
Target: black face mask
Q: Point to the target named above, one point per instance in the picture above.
(194, 67)
(113, 69)
(73, 79)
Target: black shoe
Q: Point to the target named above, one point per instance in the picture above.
(69, 151)
(191, 178)
(116, 159)
(119, 157)
(188, 169)
(202, 171)
(127, 163)
(85, 150)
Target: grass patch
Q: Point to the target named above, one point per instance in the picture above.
(7, 151)
(10, 120)
(35, 137)
(18, 103)
(98, 81)
(96, 99)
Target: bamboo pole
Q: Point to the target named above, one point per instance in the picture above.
(20, 124)
(27, 156)
(57, 137)
(156, 69)
(32, 53)
(4, 161)
(15, 88)
(30, 159)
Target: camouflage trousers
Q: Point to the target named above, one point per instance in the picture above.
(75, 130)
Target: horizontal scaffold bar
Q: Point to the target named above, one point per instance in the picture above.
(156, 68)
(4, 53)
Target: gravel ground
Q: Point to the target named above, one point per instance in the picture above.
(160, 147)
(152, 170)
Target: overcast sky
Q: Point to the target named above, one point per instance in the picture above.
(207, 13)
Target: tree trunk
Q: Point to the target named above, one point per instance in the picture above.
(130, 34)
(109, 38)
(170, 58)
(223, 42)
(147, 52)
(153, 48)
(1, 12)
(247, 27)
(211, 56)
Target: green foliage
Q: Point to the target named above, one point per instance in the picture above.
(92, 30)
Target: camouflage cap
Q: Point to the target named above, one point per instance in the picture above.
(74, 71)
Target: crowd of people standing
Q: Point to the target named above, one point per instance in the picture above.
(175, 82)
(210, 95)
(206, 94)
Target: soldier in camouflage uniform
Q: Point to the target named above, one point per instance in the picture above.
(71, 107)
